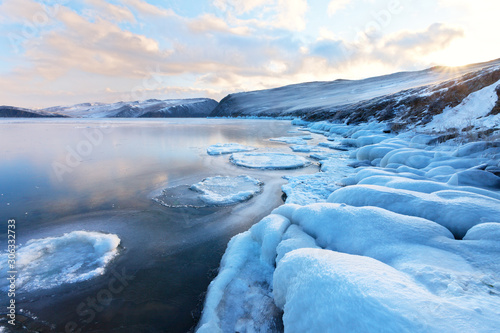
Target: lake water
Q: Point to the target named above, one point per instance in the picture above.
(59, 176)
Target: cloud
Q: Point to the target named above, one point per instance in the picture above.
(108, 11)
(98, 46)
(336, 5)
(90, 55)
(274, 14)
(239, 6)
(146, 9)
(20, 10)
(437, 36)
(208, 23)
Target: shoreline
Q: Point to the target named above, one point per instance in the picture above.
(259, 275)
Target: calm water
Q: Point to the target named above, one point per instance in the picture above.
(66, 175)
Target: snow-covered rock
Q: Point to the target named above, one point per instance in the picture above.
(456, 210)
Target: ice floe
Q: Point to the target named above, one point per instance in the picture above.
(228, 148)
(295, 140)
(211, 191)
(76, 256)
(223, 191)
(276, 161)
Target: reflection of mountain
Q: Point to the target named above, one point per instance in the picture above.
(11, 111)
(153, 108)
(407, 97)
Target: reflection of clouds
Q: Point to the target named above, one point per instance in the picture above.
(134, 158)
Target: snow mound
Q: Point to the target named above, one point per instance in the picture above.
(307, 189)
(223, 191)
(326, 291)
(212, 191)
(423, 186)
(49, 262)
(228, 148)
(276, 161)
(240, 299)
(456, 210)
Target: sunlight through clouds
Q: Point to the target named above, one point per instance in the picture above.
(71, 51)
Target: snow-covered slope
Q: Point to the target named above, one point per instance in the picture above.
(15, 112)
(152, 108)
(403, 97)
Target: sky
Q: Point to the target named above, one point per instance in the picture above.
(61, 52)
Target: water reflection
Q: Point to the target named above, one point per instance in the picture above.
(121, 165)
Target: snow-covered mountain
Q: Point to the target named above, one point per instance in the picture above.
(152, 108)
(15, 112)
(405, 98)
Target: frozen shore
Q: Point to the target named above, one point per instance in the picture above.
(400, 233)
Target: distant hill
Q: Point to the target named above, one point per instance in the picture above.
(14, 112)
(406, 97)
(153, 108)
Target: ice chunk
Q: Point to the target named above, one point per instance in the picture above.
(212, 191)
(223, 191)
(295, 140)
(73, 257)
(333, 145)
(323, 156)
(228, 148)
(276, 161)
(305, 149)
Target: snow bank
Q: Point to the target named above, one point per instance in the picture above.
(228, 148)
(49, 262)
(470, 112)
(423, 186)
(409, 245)
(277, 161)
(327, 291)
(306, 189)
(240, 299)
(456, 210)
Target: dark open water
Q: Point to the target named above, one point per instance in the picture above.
(171, 253)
